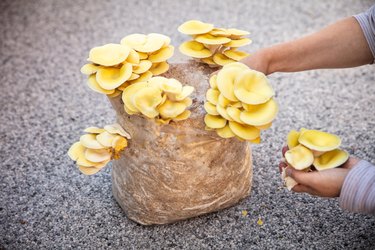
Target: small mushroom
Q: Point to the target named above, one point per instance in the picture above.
(265, 126)
(94, 85)
(214, 121)
(117, 129)
(76, 151)
(209, 61)
(144, 43)
(252, 87)
(213, 82)
(331, 159)
(186, 91)
(236, 33)
(89, 141)
(170, 109)
(89, 69)
(246, 132)
(261, 114)
(223, 112)
(109, 54)
(238, 43)
(210, 108)
(94, 130)
(105, 138)
(161, 55)
(133, 57)
(97, 155)
(221, 59)
(133, 77)
(222, 101)
(292, 139)
(195, 27)
(235, 54)
(111, 78)
(159, 68)
(225, 82)
(88, 170)
(225, 132)
(183, 116)
(319, 141)
(142, 67)
(299, 157)
(146, 101)
(212, 95)
(119, 143)
(234, 114)
(128, 94)
(220, 32)
(194, 49)
(211, 40)
(115, 94)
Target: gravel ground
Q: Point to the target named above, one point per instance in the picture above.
(44, 105)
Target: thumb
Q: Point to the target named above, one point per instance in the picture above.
(302, 177)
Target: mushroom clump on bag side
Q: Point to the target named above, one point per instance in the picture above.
(98, 147)
(113, 67)
(213, 46)
(159, 98)
(312, 150)
(239, 103)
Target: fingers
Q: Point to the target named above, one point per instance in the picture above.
(285, 148)
(282, 165)
(299, 188)
(304, 178)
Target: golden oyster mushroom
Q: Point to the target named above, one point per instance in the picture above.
(94, 85)
(76, 151)
(319, 141)
(252, 87)
(147, 99)
(212, 95)
(195, 27)
(299, 157)
(237, 33)
(238, 43)
(105, 138)
(260, 114)
(94, 130)
(223, 112)
(225, 81)
(221, 59)
(292, 139)
(225, 132)
(117, 129)
(89, 141)
(142, 67)
(97, 155)
(211, 40)
(183, 116)
(213, 82)
(144, 43)
(234, 54)
(109, 55)
(210, 108)
(234, 114)
(88, 170)
(195, 49)
(243, 131)
(119, 143)
(144, 77)
(170, 109)
(161, 55)
(111, 78)
(133, 57)
(214, 121)
(89, 69)
(128, 94)
(220, 32)
(265, 126)
(186, 91)
(209, 61)
(159, 68)
(331, 159)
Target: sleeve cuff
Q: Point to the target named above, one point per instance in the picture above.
(358, 190)
(367, 22)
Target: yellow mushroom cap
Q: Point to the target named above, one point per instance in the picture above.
(222, 101)
(221, 59)
(209, 61)
(89, 141)
(88, 170)
(223, 112)
(244, 131)
(142, 67)
(211, 40)
(170, 109)
(117, 129)
(164, 38)
(256, 140)
(114, 94)
(213, 81)
(292, 139)
(97, 155)
(331, 159)
(144, 77)
(105, 138)
(210, 108)
(195, 27)
(186, 91)
(119, 143)
(235, 54)
(225, 132)
(214, 121)
(261, 114)
(183, 116)
(299, 157)
(89, 69)
(94, 85)
(238, 43)
(220, 32)
(194, 49)
(265, 126)
(129, 93)
(225, 81)
(133, 57)
(82, 161)
(212, 95)
(111, 78)
(159, 68)
(236, 33)
(161, 55)
(252, 87)
(109, 54)
(319, 140)
(76, 151)
(172, 86)
(94, 130)
(144, 43)
(147, 99)
(142, 56)
(234, 114)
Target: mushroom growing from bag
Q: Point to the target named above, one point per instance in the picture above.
(239, 103)
(213, 46)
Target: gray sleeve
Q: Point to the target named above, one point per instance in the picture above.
(367, 22)
(358, 191)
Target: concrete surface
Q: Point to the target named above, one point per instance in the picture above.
(46, 203)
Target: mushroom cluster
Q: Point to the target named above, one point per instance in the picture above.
(98, 147)
(213, 46)
(113, 67)
(312, 150)
(158, 98)
(239, 103)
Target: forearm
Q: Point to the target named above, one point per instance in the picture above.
(339, 45)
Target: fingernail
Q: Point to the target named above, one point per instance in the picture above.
(289, 171)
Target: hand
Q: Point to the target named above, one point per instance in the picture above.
(326, 183)
(259, 61)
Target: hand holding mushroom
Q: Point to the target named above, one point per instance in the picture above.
(314, 164)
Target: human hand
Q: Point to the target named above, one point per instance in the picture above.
(326, 183)
(259, 61)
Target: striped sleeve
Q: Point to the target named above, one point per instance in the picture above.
(367, 22)
(358, 190)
